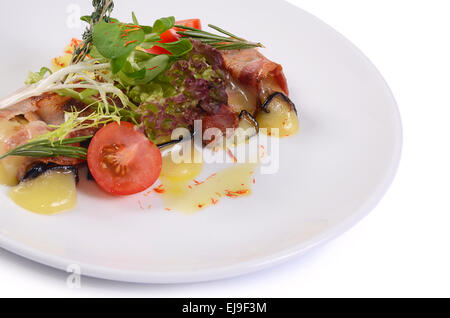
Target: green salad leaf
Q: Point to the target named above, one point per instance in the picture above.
(118, 63)
(38, 76)
(162, 25)
(135, 20)
(115, 40)
(144, 69)
(178, 48)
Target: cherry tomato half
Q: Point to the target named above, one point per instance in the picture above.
(122, 160)
(167, 37)
(157, 50)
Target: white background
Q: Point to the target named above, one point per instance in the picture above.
(403, 247)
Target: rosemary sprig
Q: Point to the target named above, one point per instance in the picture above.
(44, 148)
(228, 42)
(102, 12)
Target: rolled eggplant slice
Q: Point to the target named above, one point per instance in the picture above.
(278, 112)
(177, 141)
(248, 127)
(170, 143)
(40, 168)
(248, 123)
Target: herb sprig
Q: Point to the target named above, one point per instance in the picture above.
(102, 12)
(229, 42)
(44, 148)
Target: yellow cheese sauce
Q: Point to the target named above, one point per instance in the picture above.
(181, 191)
(190, 197)
(181, 170)
(50, 193)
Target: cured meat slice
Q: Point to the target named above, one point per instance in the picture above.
(48, 107)
(25, 134)
(253, 69)
(31, 130)
(24, 107)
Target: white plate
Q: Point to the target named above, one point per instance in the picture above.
(332, 173)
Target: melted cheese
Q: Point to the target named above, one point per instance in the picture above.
(281, 116)
(9, 168)
(50, 193)
(241, 98)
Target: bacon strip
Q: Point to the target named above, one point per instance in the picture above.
(252, 68)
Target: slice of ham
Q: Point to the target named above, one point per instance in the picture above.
(62, 161)
(48, 107)
(40, 112)
(223, 119)
(253, 69)
(32, 130)
(26, 133)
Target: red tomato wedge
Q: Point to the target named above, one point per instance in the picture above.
(193, 23)
(157, 50)
(169, 36)
(122, 160)
(172, 35)
(166, 37)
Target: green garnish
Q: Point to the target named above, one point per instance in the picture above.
(44, 148)
(229, 42)
(106, 107)
(119, 42)
(102, 12)
(38, 76)
(116, 41)
(76, 122)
